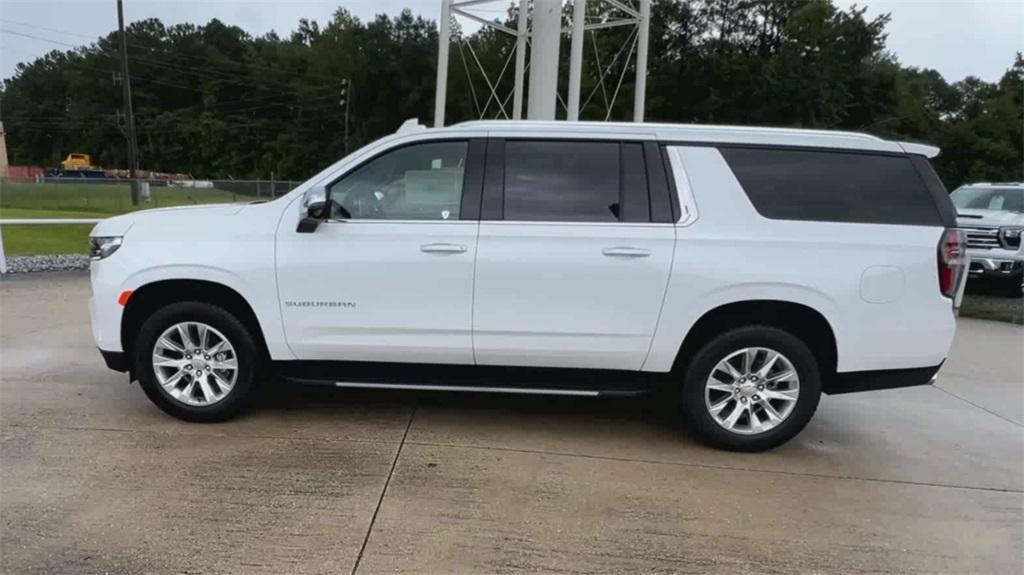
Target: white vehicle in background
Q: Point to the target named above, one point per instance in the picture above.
(743, 271)
(992, 215)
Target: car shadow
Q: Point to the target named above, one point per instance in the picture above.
(654, 408)
(990, 287)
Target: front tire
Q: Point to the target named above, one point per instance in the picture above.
(196, 361)
(751, 389)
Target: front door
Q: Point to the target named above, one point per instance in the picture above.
(390, 276)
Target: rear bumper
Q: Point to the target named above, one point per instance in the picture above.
(115, 360)
(853, 381)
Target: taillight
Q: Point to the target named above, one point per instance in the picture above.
(952, 260)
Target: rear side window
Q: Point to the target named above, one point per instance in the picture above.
(562, 181)
(833, 186)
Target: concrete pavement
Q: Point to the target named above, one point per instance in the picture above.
(94, 479)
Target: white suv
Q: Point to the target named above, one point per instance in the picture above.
(744, 270)
(992, 216)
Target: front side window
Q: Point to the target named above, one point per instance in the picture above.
(417, 182)
(562, 181)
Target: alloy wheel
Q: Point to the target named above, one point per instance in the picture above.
(195, 363)
(752, 390)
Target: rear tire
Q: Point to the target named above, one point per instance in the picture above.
(167, 371)
(733, 401)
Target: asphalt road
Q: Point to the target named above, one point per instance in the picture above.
(93, 479)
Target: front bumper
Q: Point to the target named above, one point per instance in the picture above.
(985, 264)
(104, 310)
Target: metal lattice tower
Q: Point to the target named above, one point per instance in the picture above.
(541, 30)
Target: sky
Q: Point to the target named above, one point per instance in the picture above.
(956, 37)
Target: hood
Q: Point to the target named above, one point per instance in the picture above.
(969, 217)
(119, 225)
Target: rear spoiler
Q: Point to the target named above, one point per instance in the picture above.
(919, 149)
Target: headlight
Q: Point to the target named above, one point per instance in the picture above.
(103, 247)
(1010, 237)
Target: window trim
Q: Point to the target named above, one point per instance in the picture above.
(471, 178)
(684, 203)
(786, 147)
(493, 203)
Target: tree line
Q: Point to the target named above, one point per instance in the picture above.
(217, 102)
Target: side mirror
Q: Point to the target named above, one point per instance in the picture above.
(313, 210)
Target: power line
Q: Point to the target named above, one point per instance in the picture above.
(22, 34)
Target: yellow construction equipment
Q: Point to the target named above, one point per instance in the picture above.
(76, 161)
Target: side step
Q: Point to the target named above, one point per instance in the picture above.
(471, 388)
(468, 378)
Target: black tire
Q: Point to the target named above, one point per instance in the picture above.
(704, 361)
(248, 358)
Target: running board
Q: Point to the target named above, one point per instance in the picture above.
(471, 378)
(470, 388)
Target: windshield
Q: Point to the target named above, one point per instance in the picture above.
(1005, 199)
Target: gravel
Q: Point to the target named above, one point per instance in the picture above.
(53, 263)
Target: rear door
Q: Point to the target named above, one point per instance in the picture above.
(571, 270)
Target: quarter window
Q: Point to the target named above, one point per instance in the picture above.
(562, 181)
(833, 186)
(417, 182)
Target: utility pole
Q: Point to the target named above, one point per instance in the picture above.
(545, 40)
(441, 85)
(579, 23)
(346, 98)
(133, 147)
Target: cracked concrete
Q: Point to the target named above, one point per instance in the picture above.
(93, 479)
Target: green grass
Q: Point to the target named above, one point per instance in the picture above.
(49, 200)
(993, 307)
(102, 199)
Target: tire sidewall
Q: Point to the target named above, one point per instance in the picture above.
(223, 322)
(719, 348)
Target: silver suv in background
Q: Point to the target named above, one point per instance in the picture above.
(992, 215)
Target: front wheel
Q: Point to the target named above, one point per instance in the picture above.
(751, 389)
(196, 361)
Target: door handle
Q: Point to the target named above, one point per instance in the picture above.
(443, 248)
(626, 252)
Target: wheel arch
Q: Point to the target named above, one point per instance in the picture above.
(152, 296)
(801, 320)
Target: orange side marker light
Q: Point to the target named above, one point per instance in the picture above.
(123, 298)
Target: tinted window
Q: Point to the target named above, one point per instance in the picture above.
(833, 186)
(978, 198)
(418, 182)
(561, 181)
(635, 204)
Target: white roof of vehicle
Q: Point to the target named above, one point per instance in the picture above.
(698, 133)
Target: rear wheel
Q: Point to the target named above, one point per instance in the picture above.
(196, 361)
(751, 389)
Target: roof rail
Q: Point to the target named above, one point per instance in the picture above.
(410, 125)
